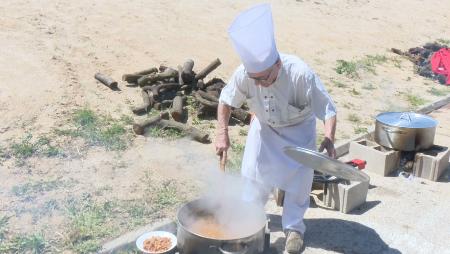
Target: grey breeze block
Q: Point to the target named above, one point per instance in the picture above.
(431, 163)
(380, 160)
(346, 197)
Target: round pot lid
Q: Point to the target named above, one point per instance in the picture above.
(325, 164)
(406, 120)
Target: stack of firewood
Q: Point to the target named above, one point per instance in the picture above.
(421, 57)
(167, 88)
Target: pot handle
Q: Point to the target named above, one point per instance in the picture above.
(393, 131)
(222, 251)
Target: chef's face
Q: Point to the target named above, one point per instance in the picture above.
(267, 77)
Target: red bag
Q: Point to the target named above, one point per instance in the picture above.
(440, 63)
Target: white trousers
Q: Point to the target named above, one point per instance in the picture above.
(294, 207)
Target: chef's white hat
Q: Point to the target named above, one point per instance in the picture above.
(252, 36)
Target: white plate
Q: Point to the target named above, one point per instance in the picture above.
(142, 238)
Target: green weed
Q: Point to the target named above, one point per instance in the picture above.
(166, 195)
(34, 243)
(414, 100)
(235, 157)
(99, 130)
(351, 69)
(444, 42)
(35, 188)
(437, 92)
(168, 133)
(355, 92)
(348, 68)
(127, 120)
(237, 148)
(26, 148)
(369, 87)
(338, 84)
(243, 132)
(348, 105)
(88, 224)
(354, 118)
(3, 227)
(359, 130)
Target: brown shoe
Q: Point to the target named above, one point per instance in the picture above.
(294, 242)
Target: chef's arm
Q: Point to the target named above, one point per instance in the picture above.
(328, 141)
(330, 128)
(223, 117)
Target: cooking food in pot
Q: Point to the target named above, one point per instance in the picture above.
(209, 227)
(157, 244)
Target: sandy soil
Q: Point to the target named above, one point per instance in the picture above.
(51, 49)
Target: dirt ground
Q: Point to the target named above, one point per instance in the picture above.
(85, 194)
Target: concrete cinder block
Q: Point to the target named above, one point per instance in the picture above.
(380, 160)
(432, 163)
(346, 197)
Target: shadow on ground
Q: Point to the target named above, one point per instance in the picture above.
(336, 235)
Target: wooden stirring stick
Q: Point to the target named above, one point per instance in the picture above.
(223, 160)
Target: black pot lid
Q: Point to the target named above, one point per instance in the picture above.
(406, 120)
(325, 164)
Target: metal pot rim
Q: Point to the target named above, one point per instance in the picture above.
(179, 224)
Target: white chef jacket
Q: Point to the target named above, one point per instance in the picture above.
(297, 94)
(285, 116)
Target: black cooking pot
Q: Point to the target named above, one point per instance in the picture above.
(250, 217)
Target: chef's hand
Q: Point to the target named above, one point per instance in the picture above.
(222, 141)
(328, 144)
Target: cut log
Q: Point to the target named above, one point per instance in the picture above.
(188, 75)
(200, 84)
(241, 115)
(162, 68)
(147, 71)
(154, 77)
(214, 81)
(177, 108)
(147, 104)
(105, 80)
(208, 96)
(131, 78)
(397, 51)
(209, 105)
(139, 128)
(192, 132)
(205, 102)
(180, 78)
(216, 86)
(213, 93)
(167, 86)
(208, 69)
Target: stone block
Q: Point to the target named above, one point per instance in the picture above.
(431, 163)
(380, 160)
(346, 197)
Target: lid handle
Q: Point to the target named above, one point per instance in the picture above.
(406, 116)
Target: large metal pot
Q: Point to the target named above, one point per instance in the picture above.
(190, 242)
(405, 131)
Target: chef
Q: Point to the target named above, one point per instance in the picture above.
(286, 97)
